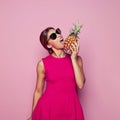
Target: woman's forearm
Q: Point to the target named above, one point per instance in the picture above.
(36, 97)
(79, 74)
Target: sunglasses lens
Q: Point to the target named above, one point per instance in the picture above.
(53, 36)
(58, 31)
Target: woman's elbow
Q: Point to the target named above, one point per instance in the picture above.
(81, 85)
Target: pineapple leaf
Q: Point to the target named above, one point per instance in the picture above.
(76, 29)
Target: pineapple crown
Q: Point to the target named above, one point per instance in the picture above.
(76, 30)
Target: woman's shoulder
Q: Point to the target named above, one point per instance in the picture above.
(43, 60)
(40, 65)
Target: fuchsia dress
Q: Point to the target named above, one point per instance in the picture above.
(60, 100)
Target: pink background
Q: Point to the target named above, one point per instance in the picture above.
(20, 25)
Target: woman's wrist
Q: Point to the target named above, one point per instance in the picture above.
(73, 58)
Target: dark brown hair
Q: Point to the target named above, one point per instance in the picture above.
(44, 40)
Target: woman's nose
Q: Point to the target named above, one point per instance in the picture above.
(59, 35)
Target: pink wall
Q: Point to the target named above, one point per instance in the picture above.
(20, 24)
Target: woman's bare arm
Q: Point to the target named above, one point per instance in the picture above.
(78, 70)
(39, 83)
(77, 65)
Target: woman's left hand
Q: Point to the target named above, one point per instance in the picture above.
(75, 49)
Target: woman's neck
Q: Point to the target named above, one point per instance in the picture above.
(59, 54)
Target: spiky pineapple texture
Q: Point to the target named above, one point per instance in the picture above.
(76, 30)
(72, 38)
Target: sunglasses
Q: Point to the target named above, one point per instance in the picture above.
(53, 36)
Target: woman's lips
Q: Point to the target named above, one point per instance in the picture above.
(62, 41)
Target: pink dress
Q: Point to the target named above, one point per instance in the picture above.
(60, 100)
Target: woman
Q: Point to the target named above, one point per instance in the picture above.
(63, 74)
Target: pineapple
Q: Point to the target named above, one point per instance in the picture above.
(72, 38)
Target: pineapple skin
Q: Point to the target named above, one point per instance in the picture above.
(71, 39)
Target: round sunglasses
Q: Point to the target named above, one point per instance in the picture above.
(53, 36)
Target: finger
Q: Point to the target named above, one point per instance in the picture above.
(77, 45)
(69, 51)
(73, 46)
(74, 49)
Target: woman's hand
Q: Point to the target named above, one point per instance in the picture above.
(75, 49)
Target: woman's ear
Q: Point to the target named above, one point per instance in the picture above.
(49, 46)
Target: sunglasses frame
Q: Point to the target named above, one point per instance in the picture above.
(53, 36)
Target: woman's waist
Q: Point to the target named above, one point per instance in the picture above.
(67, 89)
